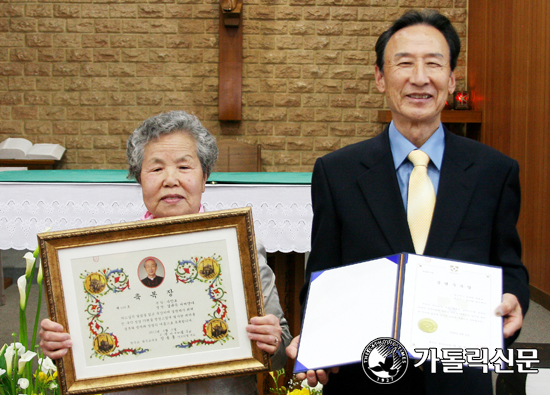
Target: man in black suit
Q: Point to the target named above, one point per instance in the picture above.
(152, 280)
(360, 193)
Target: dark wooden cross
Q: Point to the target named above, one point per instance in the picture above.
(231, 61)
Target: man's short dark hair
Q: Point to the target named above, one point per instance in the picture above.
(425, 17)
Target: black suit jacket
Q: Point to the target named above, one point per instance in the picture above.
(152, 283)
(359, 212)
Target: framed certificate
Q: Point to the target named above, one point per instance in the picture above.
(155, 302)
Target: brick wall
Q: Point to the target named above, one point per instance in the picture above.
(85, 73)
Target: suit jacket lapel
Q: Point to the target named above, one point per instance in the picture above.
(386, 203)
(455, 191)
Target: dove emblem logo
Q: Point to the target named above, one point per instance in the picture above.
(385, 360)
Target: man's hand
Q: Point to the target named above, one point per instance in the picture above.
(510, 309)
(313, 376)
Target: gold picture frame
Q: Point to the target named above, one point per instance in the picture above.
(188, 319)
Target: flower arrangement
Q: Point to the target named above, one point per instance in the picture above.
(16, 376)
(293, 387)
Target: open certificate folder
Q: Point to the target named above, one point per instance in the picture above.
(421, 301)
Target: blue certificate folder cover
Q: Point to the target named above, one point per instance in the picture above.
(423, 302)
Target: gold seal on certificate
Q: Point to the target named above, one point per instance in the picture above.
(104, 343)
(427, 325)
(216, 329)
(95, 283)
(208, 268)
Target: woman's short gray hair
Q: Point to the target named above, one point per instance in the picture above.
(167, 123)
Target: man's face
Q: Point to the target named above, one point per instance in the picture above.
(417, 76)
(151, 268)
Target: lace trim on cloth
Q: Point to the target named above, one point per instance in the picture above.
(282, 213)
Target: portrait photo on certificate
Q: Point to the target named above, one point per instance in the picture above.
(159, 301)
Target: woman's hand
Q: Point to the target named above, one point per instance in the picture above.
(313, 376)
(266, 331)
(53, 341)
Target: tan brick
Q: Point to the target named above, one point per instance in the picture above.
(50, 139)
(108, 26)
(80, 25)
(134, 55)
(106, 142)
(66, 11)
(106, 55)
(149, 69)
(301, 115)
(5, 112)
(49, 84)
(77, 84)
(301, 86)
(151, 41)
(309, 158)
(328, 57)
(369, 129)
(93, 99)
(79, 113)
(38, 128)
(37, 98)
(188, 84)
(260, 129)
(12, 40)
(287, 71)
(370, 14)
(328, 115)
(327, 143)
(122, 99)
(150, 99)
(122, 70)
(39, 40)
(105, 84)
(77, 142)
(11, 127)
(79, 55)
(191, 26)
(150, 11)
(316, 43)
(163, 26)
(4, 25)
(342, 130)
(134, 84)
(329, 28)
(91, 156)
(66, 128)
(124, 41)
(288, 13)
(316, 13)
(125, 128)
(259, 71)
(273, 114)
(66, 98)
(11, 98)
(52, 113)
(93, 69)
(93, 128)
(178, 41)
(315, 129)
(21, 83)
(272, 143)
(51, 25)
(357, 29)
(94, 11)
(259, 99)
(12, 10)
(287, 100)
(315, 100)
(356, 86)
(66, 40)
(23, 25)
(11, 69)
(161, 84)
(299, 144)
(288, 129)
(51, 55)
(95, 40)
(66, 69)
(24, 113)
(273, 85)
(343, 101)
(123, 11)
(284, 158)
(179, 11)
(116, 157)
(4, 54)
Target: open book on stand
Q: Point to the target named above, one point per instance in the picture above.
(422, 302)
(20, 148)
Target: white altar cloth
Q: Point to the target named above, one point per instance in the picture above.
(282, 213)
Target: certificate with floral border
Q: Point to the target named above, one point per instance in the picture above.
(155, 302)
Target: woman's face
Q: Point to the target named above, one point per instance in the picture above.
(172, 180)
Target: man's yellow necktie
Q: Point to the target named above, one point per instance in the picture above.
(421, 200)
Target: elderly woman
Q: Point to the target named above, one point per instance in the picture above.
(171, 155)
